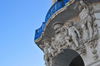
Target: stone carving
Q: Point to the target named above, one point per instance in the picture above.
(49, 49)
(85, 30)
(51, 54)
(73, 32)
(53, 48)
(68, 41)
(83, 49)
(89, 27)
(85, 14)
(81, 36)
(96, 32)
(45, 49)
(94, 42)
(66, 36)
(59, 37)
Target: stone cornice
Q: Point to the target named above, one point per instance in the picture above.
(53, 16)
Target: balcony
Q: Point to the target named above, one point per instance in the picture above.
(55, 7)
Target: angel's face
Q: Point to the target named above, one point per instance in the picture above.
(69, 24)
(81, 1)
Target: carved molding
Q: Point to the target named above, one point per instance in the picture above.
(67, 36)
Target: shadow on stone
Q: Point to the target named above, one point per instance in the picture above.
(68, 58)
(77, 62)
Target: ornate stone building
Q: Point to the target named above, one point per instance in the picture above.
(70, 35)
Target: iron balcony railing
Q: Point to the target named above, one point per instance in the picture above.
(39, 31)
(55, 7)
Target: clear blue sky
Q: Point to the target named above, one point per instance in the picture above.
(18, 21)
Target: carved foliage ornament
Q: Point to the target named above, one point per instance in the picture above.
(68, 36)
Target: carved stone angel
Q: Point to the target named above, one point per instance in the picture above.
(73, 33)
(85, 34)
(86, 14)
(59, 37)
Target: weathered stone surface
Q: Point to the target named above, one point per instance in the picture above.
(72, 33)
